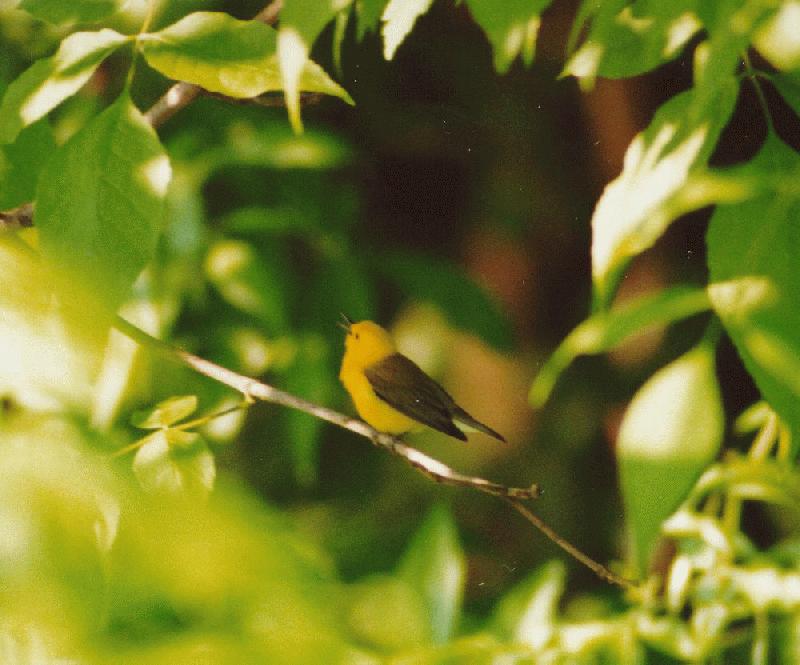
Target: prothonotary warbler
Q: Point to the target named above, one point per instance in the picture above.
(394, 395)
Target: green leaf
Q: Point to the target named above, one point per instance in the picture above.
(638, 206)
(275, 147)
(73, 11)
(22, 161)
(47, 83)
(630, 39)
(465, 304)
(248, 282)
(217, 52)
(369, 15)
(527, 614)
(398, 18)
(511, 26)
(99, 204)
(755, 282)
(309, 377)
(309, 17)
(671, 431)
(788, 84)
(175, 462)
(379, 596)
(778, 40)
(228, 56)
(165, 413)
(605, 330)
(434, 565)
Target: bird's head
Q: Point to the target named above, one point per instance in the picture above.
(366, 342)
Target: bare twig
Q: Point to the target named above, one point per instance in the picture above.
(252, 389)
(257, 390)
(179, 96)
(597, 568)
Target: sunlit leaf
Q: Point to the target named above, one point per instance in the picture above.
(671, 431)
(248, 282)
(398, 18)
(73, 11)
(44, 364)
(223, 54)
(755, 281)
(217, 52)
(638, 206)
(174, 461)
(527, 614)
(165, 413)
(754, 417)
(465, 304)
(99, 204)
(50, 81)
(309, 17)
(434, 565)
(630, 39)
(605, 330)
(511, 26)
(22, 161)
(778, 40)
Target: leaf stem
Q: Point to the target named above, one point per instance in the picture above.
(762, 100)
(202, 420)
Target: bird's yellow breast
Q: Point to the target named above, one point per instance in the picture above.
(370, 407)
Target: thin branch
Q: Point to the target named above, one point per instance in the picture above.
(178, 97)
(252, 389)
(597, 568)
(257, 390)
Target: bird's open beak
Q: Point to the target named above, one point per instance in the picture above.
(345, 323)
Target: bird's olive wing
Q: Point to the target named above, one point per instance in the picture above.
(405, 387)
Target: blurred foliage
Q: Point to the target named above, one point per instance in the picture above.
(149, 515)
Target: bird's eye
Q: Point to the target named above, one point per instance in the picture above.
(356, 335)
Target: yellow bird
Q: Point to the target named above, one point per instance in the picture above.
(391, 393)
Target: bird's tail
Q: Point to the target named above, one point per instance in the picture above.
(466, 422)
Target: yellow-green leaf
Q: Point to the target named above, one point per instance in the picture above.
(99, 204)
(638, 206)
(175, 462)
(48, 82)
(671, 431)
(511, 26)
(165, 413)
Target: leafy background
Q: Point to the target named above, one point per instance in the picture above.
(533, 241)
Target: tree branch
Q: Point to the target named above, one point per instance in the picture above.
(432, 468)
(257, 390)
